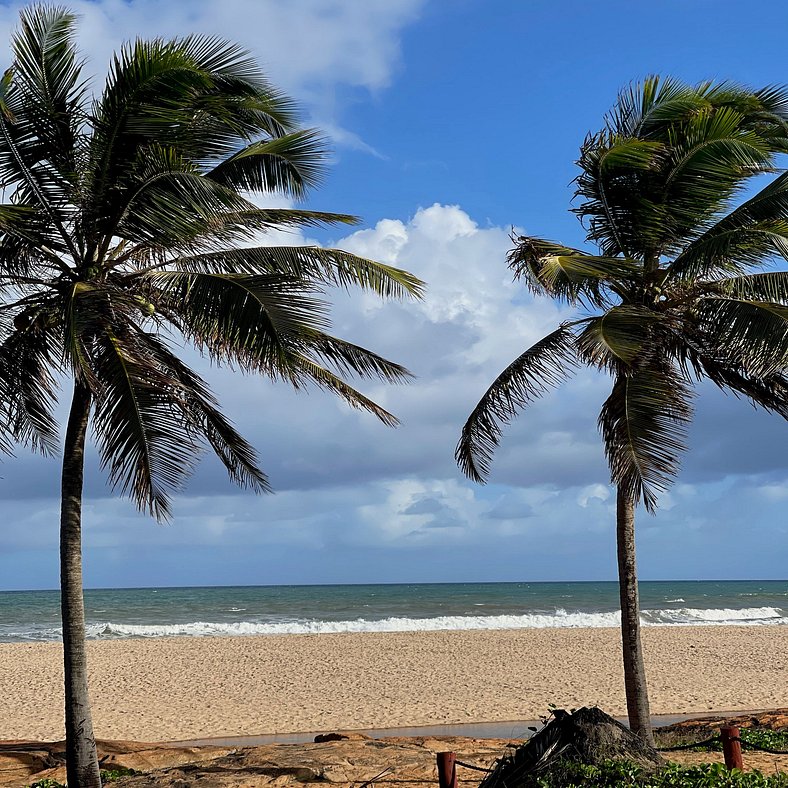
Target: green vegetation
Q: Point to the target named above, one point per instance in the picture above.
(110, 775)
(107, 776)
(611, 774)
(761, 737)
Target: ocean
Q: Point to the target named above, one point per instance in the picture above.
(278, 610)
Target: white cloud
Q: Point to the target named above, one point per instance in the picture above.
(593, 492)
(310, 49)
(774, 492)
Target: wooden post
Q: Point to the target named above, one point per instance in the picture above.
(447, 771)
(731, 747)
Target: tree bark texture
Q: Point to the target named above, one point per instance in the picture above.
(82, 767)
(634, 669)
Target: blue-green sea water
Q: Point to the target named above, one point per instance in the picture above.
(271, 610)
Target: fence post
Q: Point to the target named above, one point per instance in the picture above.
(447, 771)
(731, 747)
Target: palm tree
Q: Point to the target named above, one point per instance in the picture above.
(673, 294)
(125, 232)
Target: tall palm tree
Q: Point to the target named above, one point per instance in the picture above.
(125, 232)
(673, 294)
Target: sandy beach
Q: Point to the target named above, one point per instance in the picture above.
(185, 688)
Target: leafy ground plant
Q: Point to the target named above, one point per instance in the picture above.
(621, 773)
(760, 737)
(107, 776)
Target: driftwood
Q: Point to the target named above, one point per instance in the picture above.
(587, 736)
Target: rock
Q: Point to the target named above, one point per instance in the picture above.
(341, 736)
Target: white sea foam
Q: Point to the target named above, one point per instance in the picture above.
(560, 618)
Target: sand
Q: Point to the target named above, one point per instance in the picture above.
(187, 688)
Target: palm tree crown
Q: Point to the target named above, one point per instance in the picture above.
(126, 230)
(674, 293)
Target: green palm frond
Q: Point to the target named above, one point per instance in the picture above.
(769, 392)
(619, 336)
(350, 359)
(306, 370)
(643, 424)
(543, 366)
(200, 412)
(753, 333)
(271, 325)
(330, 266)
(290, 164)
(252, 321)
(771, 286)
(207, 235)
(609, 164)
(28, 388)
(712, 154)
(143, 441)
(569, 274)
(48, 86)
(756, 230)
(643, 109)
(173, 201)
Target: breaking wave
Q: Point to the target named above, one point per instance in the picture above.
(559, 618)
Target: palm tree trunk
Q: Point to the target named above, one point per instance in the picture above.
(634, 669)
(82, 767)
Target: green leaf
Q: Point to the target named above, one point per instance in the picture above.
(753, 334)
(643, 424)
(619, 335)
(290, 164)
(143, 441)
(569, 274)
(543, 366)
(331, 266)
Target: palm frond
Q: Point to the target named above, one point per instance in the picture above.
(753, 333)
(543, 366)
(28, 387)
(253, 321)
(330, 266)
(611, 167)
(173, 202)
(200, 412)
(619, 336)
(770, 286)
(290, 164)
(350, 359)
(48, 85)
(769, 392)
(569, 274)
(143, 441)
(306, 370)
(747, 236)
(643, 424)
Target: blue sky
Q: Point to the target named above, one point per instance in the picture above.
(451, 123)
